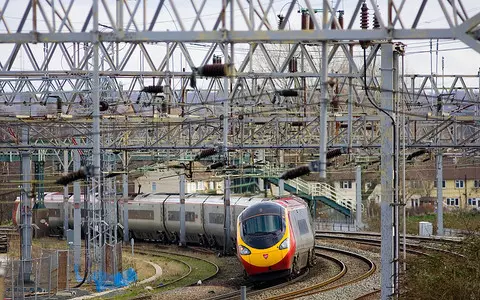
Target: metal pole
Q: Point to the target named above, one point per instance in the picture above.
(77, 217)
(396, 231)
(97, 217)
(227, 218)
(125, 198)
(324, 100)
(65, 195)
(387, 160)
(358, 202)
(183, 242)
(26, 212)
(243, 292)
(439, 168)
(350, 102)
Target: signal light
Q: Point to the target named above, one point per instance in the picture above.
(294, 173)
(206, 153)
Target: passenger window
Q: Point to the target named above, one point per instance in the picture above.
(215, 218)
(303, 227)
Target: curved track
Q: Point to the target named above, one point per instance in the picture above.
(190, 277)
(327, 285)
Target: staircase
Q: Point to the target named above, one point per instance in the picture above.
(318, 191)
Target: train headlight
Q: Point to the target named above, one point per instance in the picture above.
(285, 244)
(244, 250)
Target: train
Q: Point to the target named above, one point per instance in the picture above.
(272, 237)
(275, 239)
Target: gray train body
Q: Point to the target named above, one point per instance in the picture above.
(157, 217)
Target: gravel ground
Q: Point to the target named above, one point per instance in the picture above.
(357, 289)
(229, 278)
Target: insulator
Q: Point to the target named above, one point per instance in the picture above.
(288, 93)
(103, 105)
(216, 165)
(335, 102)
(340, 18)
(214, 70)
(193, 80)
(364, 16)
(376, 24)
(335, 152)
(416, 153)
(292, 65)
(206, 153)
(311, 24)
(153, 89)
(59, 105)
(280, 20)
(305, 20)
(70, 177)
(217, 59)
(294, 173)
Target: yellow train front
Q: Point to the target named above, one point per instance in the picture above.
(275, 239)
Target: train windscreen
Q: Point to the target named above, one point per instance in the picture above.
(263, 231)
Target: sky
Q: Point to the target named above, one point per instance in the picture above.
(456, 57)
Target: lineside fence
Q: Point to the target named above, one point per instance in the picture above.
(53, 271)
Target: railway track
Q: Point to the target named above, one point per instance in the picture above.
(415, 244)
(312, 289)
(192, 275)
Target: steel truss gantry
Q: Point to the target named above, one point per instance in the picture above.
(79, 53)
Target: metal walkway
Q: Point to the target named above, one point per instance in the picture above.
(318, 191)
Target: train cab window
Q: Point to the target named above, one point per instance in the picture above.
(263, 224)
(263, 231)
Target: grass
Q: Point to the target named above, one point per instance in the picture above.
(444, 276)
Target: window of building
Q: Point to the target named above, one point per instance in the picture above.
(416, 184)
(459, 184)
(472, 201)
(154, 187)
(476, 183)
(443, 184)
(346, 184)
(452, 201)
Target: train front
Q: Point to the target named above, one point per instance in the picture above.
(265, 246)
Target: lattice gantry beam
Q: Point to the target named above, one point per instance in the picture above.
(142, 21)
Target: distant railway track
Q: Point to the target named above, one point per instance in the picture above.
(415, 244)
(190, 277)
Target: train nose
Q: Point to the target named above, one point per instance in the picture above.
(266, 259)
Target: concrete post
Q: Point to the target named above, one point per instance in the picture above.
(281, 188)
(387, 160)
